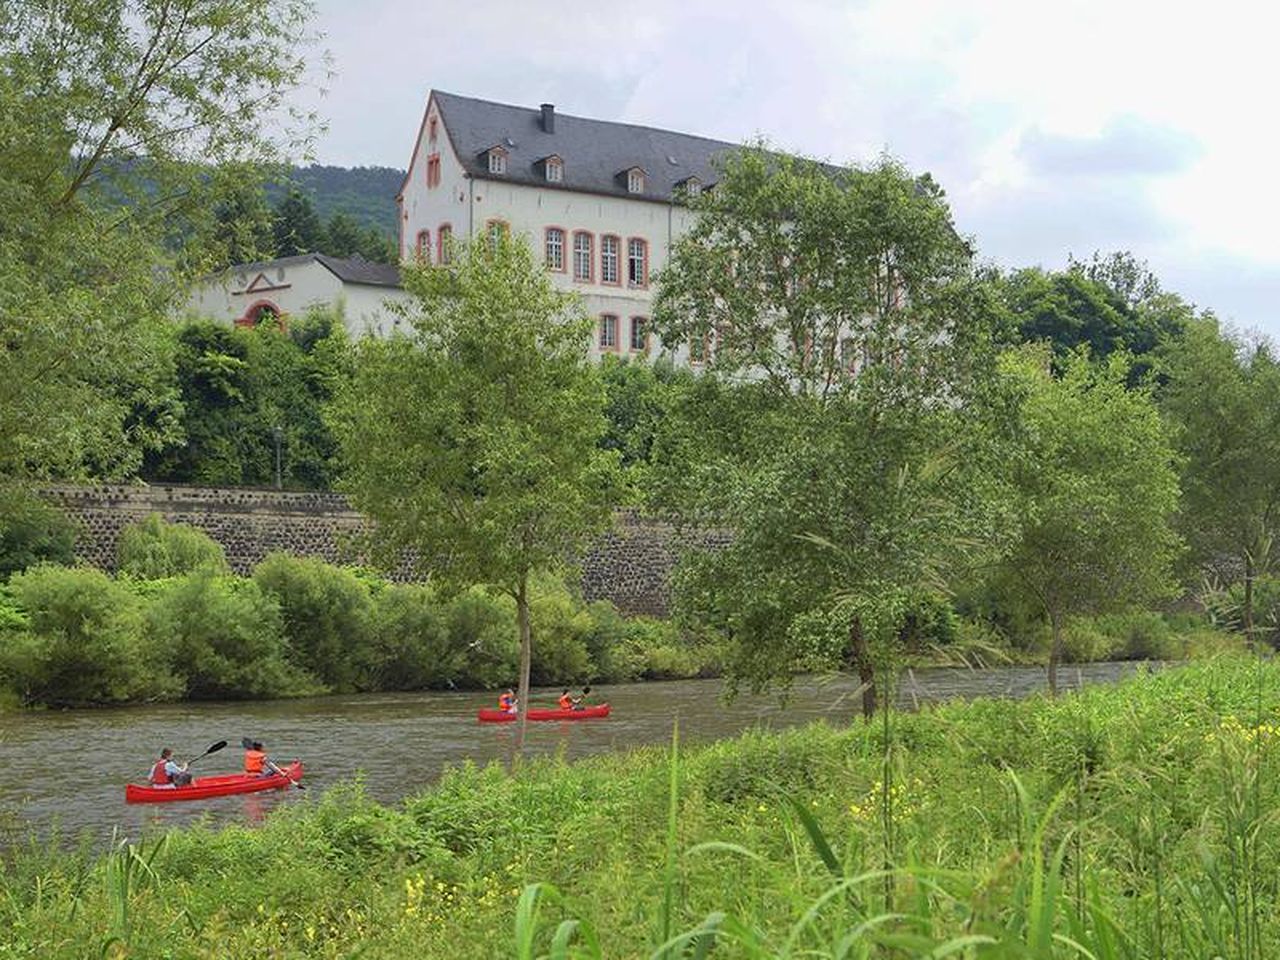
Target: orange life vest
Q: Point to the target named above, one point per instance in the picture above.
(159, 774)
(566, 702)
(254, 761)
(506, 702)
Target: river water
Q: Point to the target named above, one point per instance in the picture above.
(67, 769)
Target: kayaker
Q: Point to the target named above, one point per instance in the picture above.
(580, 703)
(507, 702)
(167, 772)
(255, 760)
(566, 701)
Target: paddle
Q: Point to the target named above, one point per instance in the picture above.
(248, 745)
(213, 748)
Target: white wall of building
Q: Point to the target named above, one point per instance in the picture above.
(467, 205)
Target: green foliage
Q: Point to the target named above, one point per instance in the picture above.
(154, 549)
(638, 394)
(326, 613)
(820, 441)
(32, 531)
(295, 226)
(225, 637)
(130, 125)
(410, 643)
(84, 643)
(1096, 491)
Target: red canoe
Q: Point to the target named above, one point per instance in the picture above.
(586, 713)
(203, 787)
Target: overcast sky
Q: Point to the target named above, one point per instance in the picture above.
(1055, 128)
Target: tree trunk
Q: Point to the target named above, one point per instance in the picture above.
(526, 658)
(1248, 599)
(1055, 652)
(860, 657)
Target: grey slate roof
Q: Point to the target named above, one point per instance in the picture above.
(348, 270)
(594, 152)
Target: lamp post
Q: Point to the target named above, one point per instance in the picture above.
(278, 432)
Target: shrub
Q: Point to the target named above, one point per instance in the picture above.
(32, 531)
(85, 643)
(155, 548)
(560, 627)
(1140, 635)
(225, 636)
(326, 616)
(410, 646)
(929, 621)
(484, 627)
(613, 645)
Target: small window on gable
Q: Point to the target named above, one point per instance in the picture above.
(497, 160)
(635, 180)
(554, 170)
(431, 129)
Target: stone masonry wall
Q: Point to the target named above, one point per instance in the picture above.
(630, 565)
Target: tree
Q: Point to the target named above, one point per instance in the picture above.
(1096, 490)
(117, 118)
(296, 226)
(835, 438)
(1222, 397)
(472, 442)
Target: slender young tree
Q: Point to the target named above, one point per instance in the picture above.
(472, 442)
(1096, 490)
(834, 436)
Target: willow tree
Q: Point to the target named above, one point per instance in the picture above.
(838, 435)
(472, 440)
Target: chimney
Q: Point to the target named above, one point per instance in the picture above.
(548, 118)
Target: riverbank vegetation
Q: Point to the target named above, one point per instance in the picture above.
(1122, 822)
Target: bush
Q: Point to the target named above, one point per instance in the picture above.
(1140, 635)
(326, 617)
(85, 643)
(929, 621)
(225, 636)
(410, 646)
(484, 627)
(32, 531)
(614, 645)
(155, 548)
(560, 627)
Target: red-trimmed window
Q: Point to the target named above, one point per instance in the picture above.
(444, 243)
(431, 130)
(608, 331)
(497, 231)
(582, 256)
(433, 170)
(555, 249)
(609, 259)
(423, 246)
(639, 335)
(637, 262)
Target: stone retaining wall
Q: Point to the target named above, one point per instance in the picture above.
(629, 566)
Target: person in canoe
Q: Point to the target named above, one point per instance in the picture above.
(167, 772)
(580, 703)
(507, 702)
(257, 763)
(566, 701)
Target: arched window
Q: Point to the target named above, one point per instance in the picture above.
(423, 247)
(444, 241)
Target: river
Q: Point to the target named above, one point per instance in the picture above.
(67, 769)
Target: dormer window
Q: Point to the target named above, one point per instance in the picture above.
(691, 186)
(553, 168)
(635, 180)
(497, 160)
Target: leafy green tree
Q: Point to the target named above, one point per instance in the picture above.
(1096, 490)
(343, 236)
(32, 531)
(117, 118)
(472, 442)
(296, 227)
(154, 549)
(638, 395)
(1222, 397)
(241, 231)
(836, 438)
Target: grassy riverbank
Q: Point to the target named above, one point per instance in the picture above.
(1135, 820)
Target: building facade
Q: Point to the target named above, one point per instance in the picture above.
(601, 202)
(288, 287)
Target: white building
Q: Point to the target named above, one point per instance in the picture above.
(289, 286)
(601, 200)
